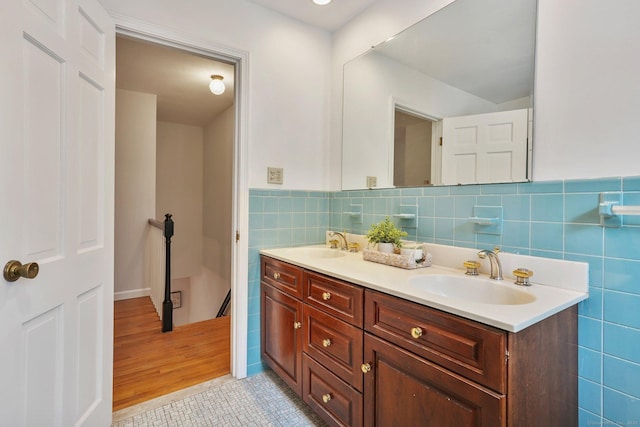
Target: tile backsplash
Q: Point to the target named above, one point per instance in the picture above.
(556, 219)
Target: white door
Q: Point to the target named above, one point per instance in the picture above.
(56, 208)
(485, 148)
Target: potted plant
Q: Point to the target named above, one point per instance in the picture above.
(386, 236)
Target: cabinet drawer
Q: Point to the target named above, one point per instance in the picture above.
(331, 398)
(335, 344)
(471, 349)
(283, 276)
(338, 298)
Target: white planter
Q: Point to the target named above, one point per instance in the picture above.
(386, 248)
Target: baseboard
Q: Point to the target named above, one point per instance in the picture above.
(136, 293)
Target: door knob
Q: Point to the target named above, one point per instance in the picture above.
(13, 270)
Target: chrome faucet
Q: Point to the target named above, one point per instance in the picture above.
(496, 266)
(344, 238)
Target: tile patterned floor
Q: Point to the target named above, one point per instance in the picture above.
(259, 400)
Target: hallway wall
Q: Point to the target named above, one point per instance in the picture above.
(217, 155)
(135, 196)
(179, 192)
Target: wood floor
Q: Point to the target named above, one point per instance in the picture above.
(148, 363)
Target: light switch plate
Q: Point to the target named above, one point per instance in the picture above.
(372, 181)
(275, 175)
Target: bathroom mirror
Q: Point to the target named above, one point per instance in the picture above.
(448, 101)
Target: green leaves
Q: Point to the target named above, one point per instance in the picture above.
(385, 232)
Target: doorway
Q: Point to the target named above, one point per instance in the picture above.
(414, 148)
(177, 157)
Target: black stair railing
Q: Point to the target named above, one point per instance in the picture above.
(224, 305)
(167, 304)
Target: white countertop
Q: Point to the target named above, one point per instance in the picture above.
(352, 268)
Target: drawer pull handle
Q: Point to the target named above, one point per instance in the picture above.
(326, 342)
(416, 332)
(365, 368)
(297, 325)
(326, 397)
(326, 296)
(276, 276)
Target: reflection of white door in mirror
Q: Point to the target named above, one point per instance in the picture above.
(484, 148)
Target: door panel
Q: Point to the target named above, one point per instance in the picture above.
(485, 148)
(57, 134)
(43, 127)
(42, 387)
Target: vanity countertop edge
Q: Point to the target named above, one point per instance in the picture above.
(351, 267)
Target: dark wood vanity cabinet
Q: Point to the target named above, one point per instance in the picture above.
(362, 357)
(312, 337)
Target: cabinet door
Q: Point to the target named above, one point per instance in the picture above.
(403, 389)
(281, 336)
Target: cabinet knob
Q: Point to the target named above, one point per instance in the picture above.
(276, 275)
(297, 325)
(326, 296)
(326, 342)
(326, 397)
(416, 332)
(365, 368)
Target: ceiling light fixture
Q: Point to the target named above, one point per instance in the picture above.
(321, 2)
(217, 85)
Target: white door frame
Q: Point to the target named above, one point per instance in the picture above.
(240, 203)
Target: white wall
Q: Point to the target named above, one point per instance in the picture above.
(587, 97)
(587, 100)
(179, 192)
(217, 213)
(289, 75)
(135, 177)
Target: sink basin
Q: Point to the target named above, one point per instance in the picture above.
(317, 252)
(473, 289)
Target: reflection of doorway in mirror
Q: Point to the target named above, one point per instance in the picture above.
(413, 149)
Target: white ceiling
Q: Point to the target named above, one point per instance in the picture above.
(484, 48)
(329, 17)
(180, 79)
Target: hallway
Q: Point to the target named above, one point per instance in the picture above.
(148, 363)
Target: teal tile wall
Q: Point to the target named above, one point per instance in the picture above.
(556, 219)
(279, 219)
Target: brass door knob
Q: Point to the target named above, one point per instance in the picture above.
(297, 325)
(326, 397)
(326, 296)
(13, 270)
(326, 342)
(416, 332)
(365, 368)
(276, 276)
